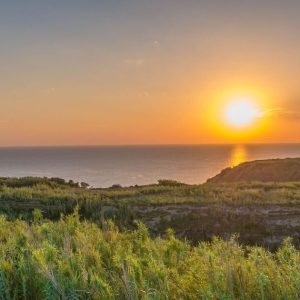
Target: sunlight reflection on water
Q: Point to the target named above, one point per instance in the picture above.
(238, 155)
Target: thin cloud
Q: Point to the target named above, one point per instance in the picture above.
(144, 94)
(280, 112)
(3, 123)
(270, 111)
(138, 62)
(291, 115)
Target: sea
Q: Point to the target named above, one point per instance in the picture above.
(103, 166)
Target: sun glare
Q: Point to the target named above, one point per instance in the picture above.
(241, 113)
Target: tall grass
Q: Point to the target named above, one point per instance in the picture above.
(73, 259)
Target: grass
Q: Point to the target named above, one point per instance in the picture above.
(82, 255)
(54, 198)
(73, 259)
(152, 205)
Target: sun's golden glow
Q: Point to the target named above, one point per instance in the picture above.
(241, 113)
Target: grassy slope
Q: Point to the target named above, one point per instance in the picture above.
(273, 170)
(261, 213)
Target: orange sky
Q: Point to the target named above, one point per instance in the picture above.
(141, 73)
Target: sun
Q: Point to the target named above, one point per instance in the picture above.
(241, 113)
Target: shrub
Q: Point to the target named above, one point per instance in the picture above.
(71, 259)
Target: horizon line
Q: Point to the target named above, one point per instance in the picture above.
(147, 145)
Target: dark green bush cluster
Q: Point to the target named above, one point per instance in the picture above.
(70, 259)
(169, 182)
(33, 181)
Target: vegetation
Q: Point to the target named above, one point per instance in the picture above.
(269, 170)
(168, 182)
(53, 198)
(102, 252)
(260, 213)
(33, 181)
(73, 259)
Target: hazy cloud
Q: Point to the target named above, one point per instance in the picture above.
(137, 62)
(144, 94)
(282, 113)
(3, 123)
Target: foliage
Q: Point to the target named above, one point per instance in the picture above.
(169, 182)
(55, 196)
(33, 181)
(73, 259)
(197, 212)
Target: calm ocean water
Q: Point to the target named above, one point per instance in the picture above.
(130, 165)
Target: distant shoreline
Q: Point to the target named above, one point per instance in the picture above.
(104, 166)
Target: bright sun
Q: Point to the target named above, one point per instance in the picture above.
(241, 113)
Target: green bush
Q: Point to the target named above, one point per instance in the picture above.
(71, 259)
(169, 182)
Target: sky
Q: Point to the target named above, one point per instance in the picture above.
(83, 72)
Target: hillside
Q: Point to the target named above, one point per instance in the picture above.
(273, 170)
(260, 213)
(84, 255)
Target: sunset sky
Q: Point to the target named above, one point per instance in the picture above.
(83, 72)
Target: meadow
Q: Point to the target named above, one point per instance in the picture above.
(18, 197)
